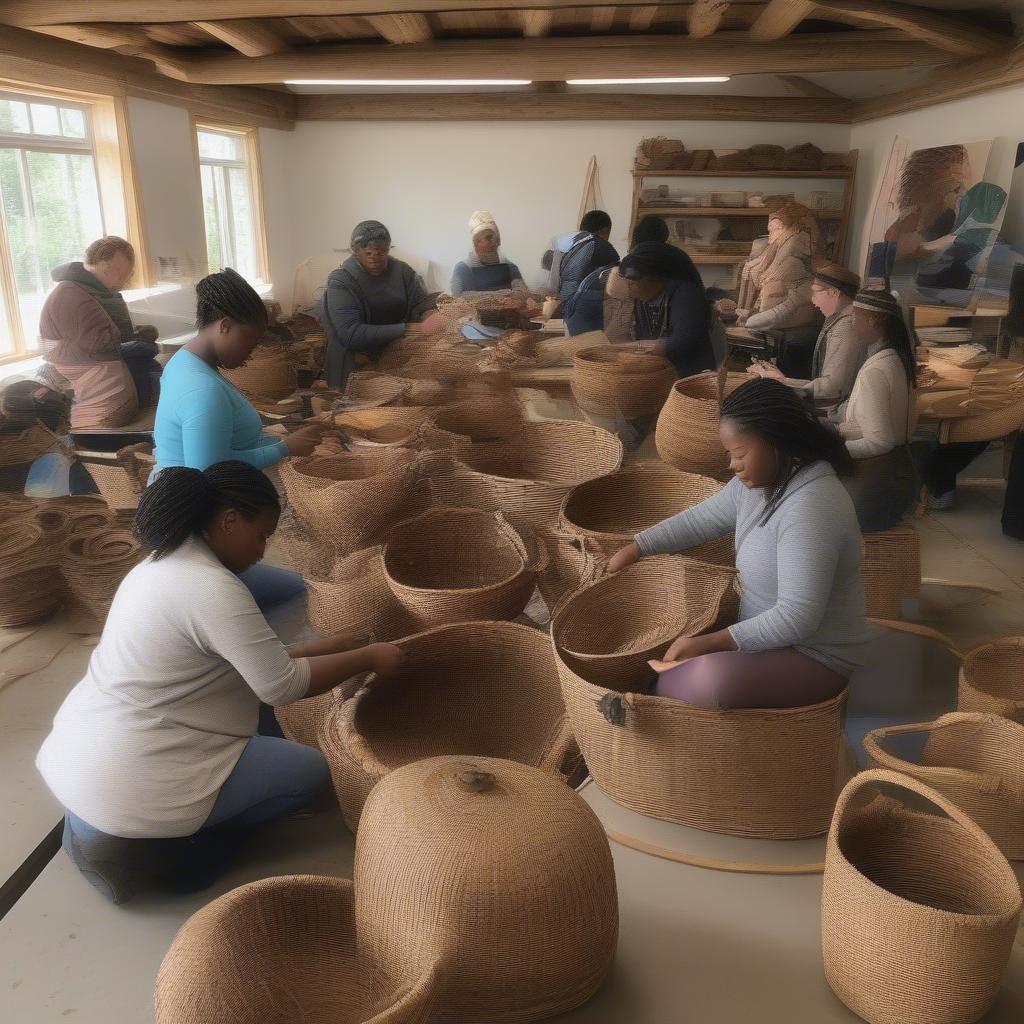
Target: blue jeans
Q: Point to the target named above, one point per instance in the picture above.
(271, 586)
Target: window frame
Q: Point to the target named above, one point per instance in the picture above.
(250, 138)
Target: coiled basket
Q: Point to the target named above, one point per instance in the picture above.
(992, 679)
(608, 381)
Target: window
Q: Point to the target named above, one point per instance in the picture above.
(229, 170)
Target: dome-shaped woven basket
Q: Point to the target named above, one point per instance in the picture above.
(31, 588)
(992, 679)
(528, 479)
(25, 447)
(285, 950)
(919, 911)
(891, 569)
(687, 433)
(268, 374)
(501, 866)
(385, 427)
(473, 688)
(975, 760)
(95, 563)
(610, 629)
(608, 381)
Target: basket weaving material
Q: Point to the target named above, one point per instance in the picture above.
(31, 589)
(973, 759)
(919, 911)
(87, 512)
(268, 374)
(891, 569)
(504, 869)
(476, 688)
(687, 433)
(992, 679)
(284, 950)
(609, 381)
(96, 562)
(26, 446)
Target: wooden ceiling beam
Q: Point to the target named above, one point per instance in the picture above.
(536, 105)
(954, 35)
(123, 38)
(251, 38)
(805, 87)
(642, 18)
(705, 17)
(779, 18)
(536, 23)
(402, 28)
(602, 19)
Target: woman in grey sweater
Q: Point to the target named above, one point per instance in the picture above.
(802, 628)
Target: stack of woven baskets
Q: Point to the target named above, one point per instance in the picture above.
(609, 382)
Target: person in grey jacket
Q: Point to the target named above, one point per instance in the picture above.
(371, 300)
(802, 628)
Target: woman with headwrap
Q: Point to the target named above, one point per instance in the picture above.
(371, 300)
(670, 305)
(485, 269)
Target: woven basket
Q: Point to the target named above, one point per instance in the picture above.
(528, 479)
(919, 911)
(385, 427)
(973, 759)
(891, 569)
(268, 374)
(505, 869)
(473, 688)
(473, 424)
(610, 629)
(95, 563)
(608, 381)
(986, 426)
(284, 950)
(368, 388)
(992, 679)
(31, 588)
(122, 482)
(687, 433)
(21, 449)
(87, 512)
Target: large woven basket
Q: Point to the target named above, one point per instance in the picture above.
(609, 382)
(992, 679)
(473, 424)
(687, 433)
(501, 866)
(269, 374)
(95, 563)
(974, 759)
(31, 587)
(529, 478)
(284, 950)
(919, 911)
(477, 688)
(891, 569)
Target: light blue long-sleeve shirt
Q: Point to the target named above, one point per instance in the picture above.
(202, 418)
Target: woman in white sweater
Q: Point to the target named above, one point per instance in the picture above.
(158, 742)
(877, 419)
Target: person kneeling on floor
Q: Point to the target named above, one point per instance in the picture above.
(159, 740)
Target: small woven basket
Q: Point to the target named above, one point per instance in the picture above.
(31, 588)
(246, 958)
(384, 427)
(891, 569)
(975, 760)
(269, 374)
(992, 679)
(687, 433)
(608, 381)
(919, 911)
(477, 688)
(96, 562)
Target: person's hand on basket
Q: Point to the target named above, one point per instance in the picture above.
(302, 441)
(433, 324)
(623, 559)
(385, 659)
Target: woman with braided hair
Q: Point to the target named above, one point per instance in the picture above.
(802, 629)
(159, 740)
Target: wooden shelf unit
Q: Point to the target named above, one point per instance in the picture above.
(725, 211)
(770, 175)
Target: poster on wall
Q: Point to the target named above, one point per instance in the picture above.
(935, 223)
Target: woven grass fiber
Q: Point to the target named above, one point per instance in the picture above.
(610, 381)
(919, 911)
(992, 679)
(479, 688)
(268, 374)
(26, 446)
(31, 587)
(687, 432)
(975, 760)
(891, 569)
(95, 563)
(284, 950)
(501, 866)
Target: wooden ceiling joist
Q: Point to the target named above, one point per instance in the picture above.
(402, 28)
(125, 38)
(705, 17)
(602, 19)
(251, 38)
(536, 23)
(805, 87)
(779, 18)
(642, 18)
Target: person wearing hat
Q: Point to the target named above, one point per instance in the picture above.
(877, 419)
(485, 269)
(370, 301)
(838, 352)
(670, 306)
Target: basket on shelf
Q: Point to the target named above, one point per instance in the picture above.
(687, 433)
(488, 689)
(891, 570)
(974, 759)
(609, 382)
(992, 679)
(95, 563)
(31, 587)
(269, 374)
(919, 911)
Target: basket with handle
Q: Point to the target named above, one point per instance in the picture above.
(974, 759)
(891, 569)
(919, 911)
(992, 679)
(611, 381)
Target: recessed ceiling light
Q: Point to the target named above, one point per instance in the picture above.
(408, 81)
(648, 81)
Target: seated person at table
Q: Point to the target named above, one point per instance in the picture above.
(802, 629)
(371, 300)
(485, 269)
(159, 739)
(838, 353)
(86, 334)
(576, 256)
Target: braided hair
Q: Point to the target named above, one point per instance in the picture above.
(181, 502)
(228, 294)
(774, 412)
